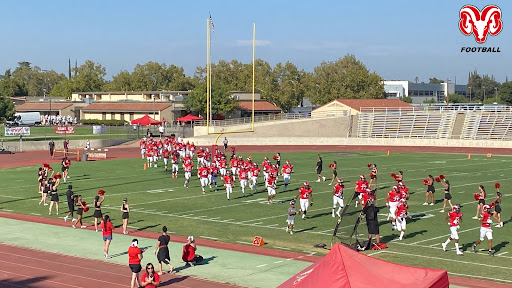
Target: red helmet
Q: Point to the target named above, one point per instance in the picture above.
(306, 183)
(362, 177)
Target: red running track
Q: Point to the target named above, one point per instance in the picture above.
(20, 267)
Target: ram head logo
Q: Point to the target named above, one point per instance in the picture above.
(480, 23)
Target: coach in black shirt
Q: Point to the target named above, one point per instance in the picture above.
(372, 222)
(71, 203)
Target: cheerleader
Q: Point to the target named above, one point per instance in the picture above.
(79, 212)
(481, 201)
(430, 190)
(447, 195)
(126, 210)
(334, 167)
(400, 176)
(278, 160)
(373, 176)
(46, 189)
(98, 216)
(40, 176)
(497, 207)
(54, 195)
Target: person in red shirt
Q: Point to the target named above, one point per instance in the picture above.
(150, 279)
(404, 191)
(453, 218)
(203, 176)
(286, 171)
(392, 200)
(134, 258)
(228, 183)
(234, 167)
(400, 214)
(165, 155)
(175, 159)
(212, 177)
(189, 252)
(271, 187)
(360, 188)
(188, 173)
(485, 230)
(337, 197)
(222, 166)
(107, 227)
(242, 175)
(254, 179)
(306, 194)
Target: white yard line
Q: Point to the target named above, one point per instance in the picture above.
(443, 236)
(213, 238)
(479, 277)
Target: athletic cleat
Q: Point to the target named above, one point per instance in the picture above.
(323, 177)
(66, 219)
(476, 218)
(474, 248)
(460, 252)
(318, 180)
(424, 204)
(338, 213)
(444, 246)
(287, 229)
(431, 204)
(45, 204)
(74, 227)
(291, 232)
(333, 215)
(491, 253)
(303, 216)
(442, 211)
(83, 226)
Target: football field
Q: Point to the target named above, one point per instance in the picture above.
(156, 199)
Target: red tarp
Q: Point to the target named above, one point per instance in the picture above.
(343, 267)
(146, 120)
(189, 118)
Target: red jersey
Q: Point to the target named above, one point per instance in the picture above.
(200, 154)
(108, 230)
(228, 180)
(287, 169)
(393, 196)
(166, 154)
(187, 160)
(305, 192)
(273, 171)
(234, 163)
(242, 174)
(222, 164)
(203, 172)
(401, 211)
(214, 171)
(144, 277)
(255, 171)
(192, 148)
(175, 159)
(403, 192)
(133, 253)
(248, 164)
(455, 218)
(486, 219)
(361, 186)
(338, 190)
(187, 167)
(271, 181)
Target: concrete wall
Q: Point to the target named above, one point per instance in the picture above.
(73, 144)
(327, 127)
(246, 139)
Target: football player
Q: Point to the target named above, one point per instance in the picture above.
(485, 230)
(306, 194)
(228, 183)
(392, 199)
(453, 218)
(203, 176)
(337, 197)
(286, 171)
(401, 214)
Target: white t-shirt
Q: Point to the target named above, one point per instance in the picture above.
(161, 129)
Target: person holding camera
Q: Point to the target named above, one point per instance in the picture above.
(150, 279)
(372, 222)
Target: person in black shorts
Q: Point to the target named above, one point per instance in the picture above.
(54, 197)
(318, 169)
(70, 196)
(97, 211)
(497, 207)
(372, 222)
(334, 167)
(481, 201)
(126, 210)
(447, 195)
(278, 160)
(162, 250)
(430, 191)
(79, 212)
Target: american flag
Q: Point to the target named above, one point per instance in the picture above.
(211, 23)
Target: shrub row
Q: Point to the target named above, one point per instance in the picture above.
(103, 122)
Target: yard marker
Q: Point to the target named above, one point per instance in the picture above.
(258, 241)
(388, 153)
(469, 156)
(145, 166)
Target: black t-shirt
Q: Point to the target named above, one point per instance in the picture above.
(69, 195)
(319, 164)
(51, 144)
(164, 239)
(371, 212)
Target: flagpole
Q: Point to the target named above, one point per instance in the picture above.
(253, 69)
(207, 76)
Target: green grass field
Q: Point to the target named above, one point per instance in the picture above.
(156, 200)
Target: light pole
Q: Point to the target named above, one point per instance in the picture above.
(469, 94)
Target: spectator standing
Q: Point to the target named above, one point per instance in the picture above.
(189, 252)
(150, 279)
(161, 130)
(134, 258)
(225, 142)
(51, 144)
(70, 196)
(318, 169)
(162, 250)
(107, 228)
(291, 217)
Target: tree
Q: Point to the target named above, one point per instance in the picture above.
(435, 81)
(6, 108)
(482, 87)
(345, 78)
(505, 93)
(456, 98)
(90, 77)
(406, 99)
(222, 102)
(63, 89)
(286, 86)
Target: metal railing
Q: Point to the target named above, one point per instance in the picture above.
(248, 120)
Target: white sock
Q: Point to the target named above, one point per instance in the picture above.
(448, 241)
(402, 234)
(339, 210)
(457, 246)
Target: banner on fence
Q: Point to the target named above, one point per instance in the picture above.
(16, 131)
(65, 129)
(97, 129)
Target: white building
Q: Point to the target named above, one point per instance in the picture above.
(421, 92)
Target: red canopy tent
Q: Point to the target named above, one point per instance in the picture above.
(343, 267)
(145, 121)
(189, 118)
